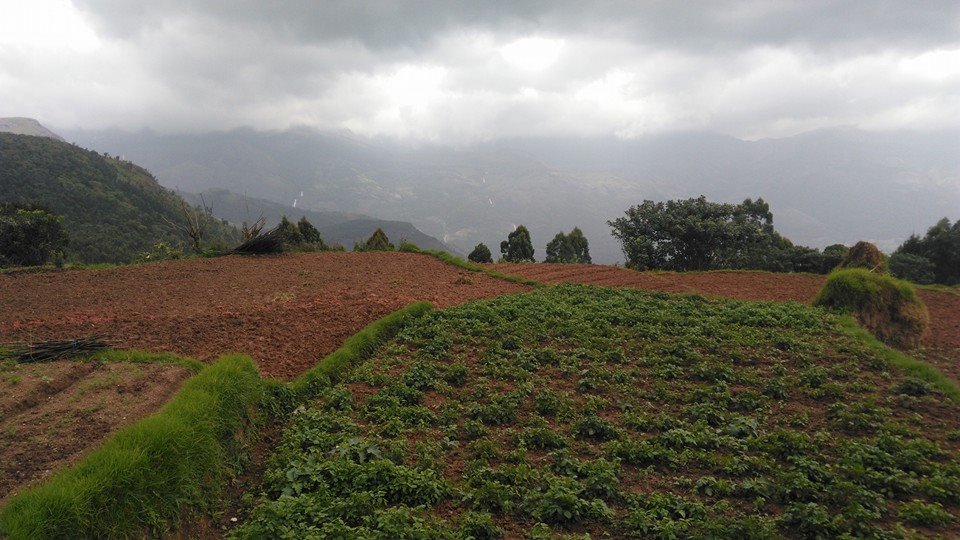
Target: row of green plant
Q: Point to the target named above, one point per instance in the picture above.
(576, 410)
(469, 265)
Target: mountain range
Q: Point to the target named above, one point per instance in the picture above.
(824, 187)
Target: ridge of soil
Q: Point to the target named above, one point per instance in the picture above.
(941, 347)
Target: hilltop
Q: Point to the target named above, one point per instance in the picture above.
(112, 209)
(26, 126)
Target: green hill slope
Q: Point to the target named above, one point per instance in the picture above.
(112, 209)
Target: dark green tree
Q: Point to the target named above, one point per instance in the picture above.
(481, 254)
(378, 241)
(569, 248)
(308, 232)
(696, 234)
(559, 250)
(29, 235)
(832, 255)
(913, 268)
(290, 232)
(941, 246)
(517, 247)
(580, 246)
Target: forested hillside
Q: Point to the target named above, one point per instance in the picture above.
(112, 210)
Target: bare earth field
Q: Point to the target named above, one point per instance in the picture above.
(941, 348)
(287, 312)
(51, 413)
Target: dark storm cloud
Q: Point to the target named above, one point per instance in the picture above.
(704, 26)
(465, 70)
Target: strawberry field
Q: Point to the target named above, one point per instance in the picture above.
(573, 411)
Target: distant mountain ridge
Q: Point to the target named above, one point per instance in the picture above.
(112, 210)
(335, 227)
(26, 126)
(825, 187)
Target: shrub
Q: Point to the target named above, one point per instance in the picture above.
(888, 307)
(864, 255)
(918, 512)
(481, 254)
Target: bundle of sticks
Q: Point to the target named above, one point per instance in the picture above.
(268, 242)
(46, 351)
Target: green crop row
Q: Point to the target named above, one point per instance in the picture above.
(576, 410)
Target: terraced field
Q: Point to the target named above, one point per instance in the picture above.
(618, 413)
(941, 346)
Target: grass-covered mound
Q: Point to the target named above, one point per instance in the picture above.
(886, 306)
(617, 413)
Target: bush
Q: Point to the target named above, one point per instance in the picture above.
(864, 255)
(888, 307)
(481, 254)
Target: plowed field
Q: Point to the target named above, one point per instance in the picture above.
(942, 346)
(286, 311)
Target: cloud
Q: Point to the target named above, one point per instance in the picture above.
(457, 72)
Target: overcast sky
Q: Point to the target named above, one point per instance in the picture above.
(458, 72)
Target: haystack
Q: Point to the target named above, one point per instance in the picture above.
(888, 307)
(864, 255)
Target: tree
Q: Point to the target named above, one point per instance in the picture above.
(29, 235)
(196, 221)
(581, 248)
(308, 233)
(832, 255)
(568, 248)
(290, 232)
(481, 254)
(941, 246)
(378, 241)
(695, 234)
(913, 268)
(517, 247)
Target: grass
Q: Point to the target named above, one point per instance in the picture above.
(575, 410)
(355, 350)
(473, 267)
(888, 307)
(145, 474)
(906, 363)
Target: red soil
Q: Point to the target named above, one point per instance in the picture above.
(941, 347)
(287, 311)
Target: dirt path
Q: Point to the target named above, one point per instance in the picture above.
(942, 346)
(285, 311)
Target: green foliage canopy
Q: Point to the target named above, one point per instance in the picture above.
(941, 249)
(29, 235)
(697, 234)
(517, 247)
(378, 241)
(481, 254)
(569, 248)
